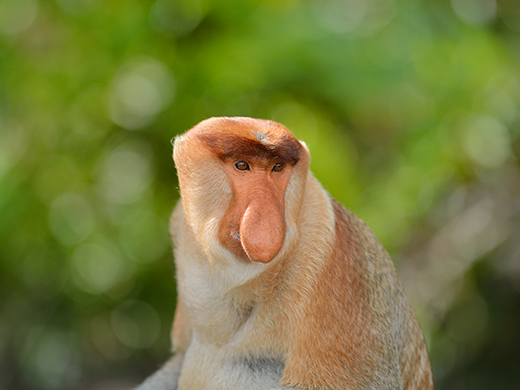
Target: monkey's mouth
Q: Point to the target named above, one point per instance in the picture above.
(236, 243)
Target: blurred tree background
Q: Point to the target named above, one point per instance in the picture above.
(411, 110)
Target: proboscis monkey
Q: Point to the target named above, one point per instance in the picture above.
(279, 286)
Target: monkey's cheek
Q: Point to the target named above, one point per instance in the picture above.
(262, 232)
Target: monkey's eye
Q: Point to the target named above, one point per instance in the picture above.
(242, 166)
(278, 167)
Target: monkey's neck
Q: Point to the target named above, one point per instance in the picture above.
(209, 289)
(232, 303)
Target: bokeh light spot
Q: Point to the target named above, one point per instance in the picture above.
(351, 16)
(17, 16)
(477, 12)
(98, 267)
(78, 6)
(177, 17)
(141, 89)
(105, 339)
(52, 359)
(71, 218)
(136, 323)
(510, 13)
(486, 140)
(127, 172)
(13, 143)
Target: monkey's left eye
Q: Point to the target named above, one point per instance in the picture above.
(278, 167)
(242, 166)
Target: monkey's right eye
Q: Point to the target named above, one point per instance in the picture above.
(242, 166)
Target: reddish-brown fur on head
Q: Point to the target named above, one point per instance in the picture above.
(238, 138)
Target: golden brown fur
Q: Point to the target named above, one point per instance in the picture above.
(324, 311)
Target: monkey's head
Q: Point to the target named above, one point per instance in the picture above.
(242, 182)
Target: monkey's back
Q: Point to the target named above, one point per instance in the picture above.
(413, 356)
(366, 323)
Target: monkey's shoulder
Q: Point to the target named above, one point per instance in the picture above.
(353, 235)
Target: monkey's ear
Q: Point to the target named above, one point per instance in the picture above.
(304, 145)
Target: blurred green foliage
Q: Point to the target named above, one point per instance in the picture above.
(411, 110)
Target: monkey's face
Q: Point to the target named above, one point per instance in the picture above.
(254, 225)
(241, 183)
